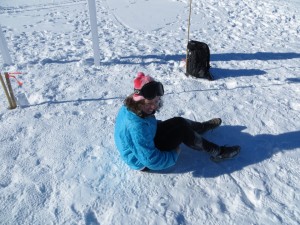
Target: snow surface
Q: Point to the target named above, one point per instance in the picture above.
(59, 164)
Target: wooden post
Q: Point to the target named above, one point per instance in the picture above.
(6, 92)
(12, 97)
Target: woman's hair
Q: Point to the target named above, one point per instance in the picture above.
(135, 106)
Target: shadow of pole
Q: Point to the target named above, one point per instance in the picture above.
(145, 60)
(164, 58)
(254, 56)
(76, 102)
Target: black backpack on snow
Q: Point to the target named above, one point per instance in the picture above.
(198, 58)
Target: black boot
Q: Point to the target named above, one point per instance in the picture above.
(205, 126)
(202, 144)
(213, 149)
(226, 153)
(218, 153)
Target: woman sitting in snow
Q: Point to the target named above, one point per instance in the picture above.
(146, 143)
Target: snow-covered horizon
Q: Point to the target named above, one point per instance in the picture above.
(59, 163)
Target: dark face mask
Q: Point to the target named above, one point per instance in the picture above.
(150, 90)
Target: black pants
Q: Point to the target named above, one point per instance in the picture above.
(172, 132)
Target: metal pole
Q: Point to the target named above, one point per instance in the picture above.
(189, 24)
(95, 38)
(188, 38)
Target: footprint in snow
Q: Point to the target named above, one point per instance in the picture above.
(37, 115)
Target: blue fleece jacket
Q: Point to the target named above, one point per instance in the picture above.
(134, 138)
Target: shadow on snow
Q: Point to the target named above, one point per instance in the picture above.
(254, 149)
(254, 56)
(293, 80)
(145, 60)
(75, 102)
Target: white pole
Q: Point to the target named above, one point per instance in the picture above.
(95, 38)
(4, 49)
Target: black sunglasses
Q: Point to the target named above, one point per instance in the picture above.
(150, 90)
